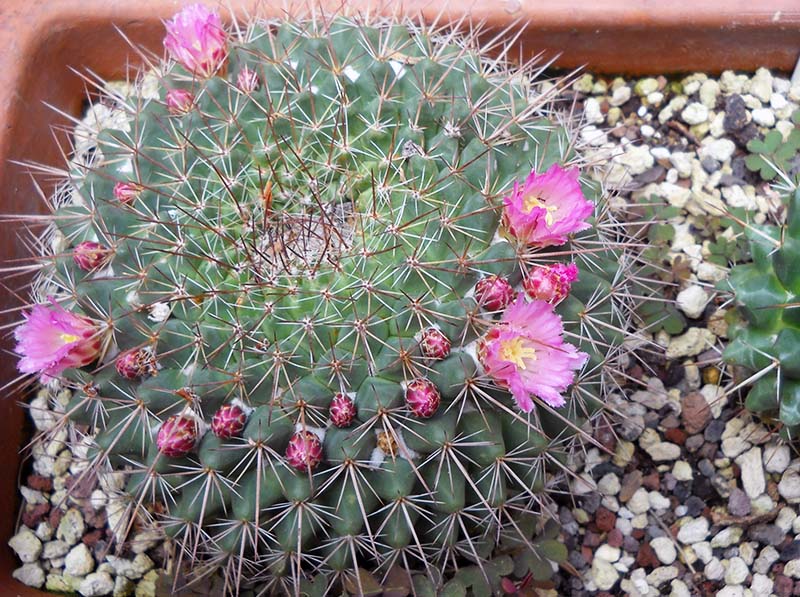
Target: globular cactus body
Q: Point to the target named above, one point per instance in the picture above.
(307, 236)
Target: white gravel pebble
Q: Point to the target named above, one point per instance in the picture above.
(682, 471)
(679, 589)
(604, 574)
(753, 480)
(714, 570)
(71, 527)
(718, 149)
(609, 484)
(29, 574)
(761, 585)
(695, 113)
(79, 561)
(54, 549)
(792, 568)
(691, 343)
(664, 451)
(789, 486)
(733, 446)
(764, 117)
(731, 591)
(736, 572)
(776, 458)
(727, 537)
(96, 584)
(692, 301)
(26, 545)
(693, 530)
(664, 549)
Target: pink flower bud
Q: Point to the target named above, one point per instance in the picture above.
(52, 339)
(89, 255)
(342, 410)
(247, 80)
(177, 436)
(550, 283)
(127, 192)
(494, 293)
(228, 421)
(422, 397)
(434, 344)
(135, 364)
(196, 39)
(304, 451)
(179, 101)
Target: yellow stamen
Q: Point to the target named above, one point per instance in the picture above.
(69, 338)
(515, 352)
(531, 201)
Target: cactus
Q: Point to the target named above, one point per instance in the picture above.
(763, 329)
(304, 268)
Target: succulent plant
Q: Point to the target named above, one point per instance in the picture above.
(764, 329)
(310, 350)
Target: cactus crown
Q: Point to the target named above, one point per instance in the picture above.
(294, 249)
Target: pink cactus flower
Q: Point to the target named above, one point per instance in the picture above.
(546, 208)
(247, 80)
(127, 192)
(526, 353)
(342, 410)
(179, 101)
(550, 283)
(228, 421)
(304, 451)
(135, 364)
(494, 293)
(423, 397)
(177, 436)
(196, 39)
(52, 339)
(90, 255)
(434, 344)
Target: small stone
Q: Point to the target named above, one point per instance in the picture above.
(679, 589)
(761, 84)
(767, 534)
(761, 585)
(608, 553)
(695, 412)
(96, 584)
(54, 549)
(735, 114)
(658, 501)
(776, 458)
(71, 527)
(620, 96)
(703, 551)
(727, 537)
(789, 486)
(147, 586)
(609, 484)
(79, 561)
(695, 113)
(26, 545)
(768, 556)
(30, 574)
(764, 117)
(731, 591)
(738, 503)
(709, 90)
(123, 587)
(663, 451)
(790, 552)
(782, 586)
(662, 575)
(734, 446)
(714, 570)
(693, 530)
(691, 343)
(753, 480)
(604, 575)
(682, 471)
(737, 571)
(720, 150)
(664, 549)
(692, 301)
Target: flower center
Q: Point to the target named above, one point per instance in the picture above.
(530, 201)
(514, 351)
(69, 338)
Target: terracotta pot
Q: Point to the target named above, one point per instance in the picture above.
(41, 39)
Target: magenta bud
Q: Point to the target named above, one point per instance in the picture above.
(342, 410)
(90, 255)
(228, 421)
(135, 364)
(494, 293)
(304, 451)
(247, 80)
(177, 436)
(423, 397)
(179, 101)
(434, 344)
(127, 192)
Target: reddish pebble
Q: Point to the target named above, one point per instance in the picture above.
(676, 436)
(40, 483)
(615, 538)
(646, 558)
(652, 481)
(605, 519)
(91, 538)
(782, 585)
(32, 515)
